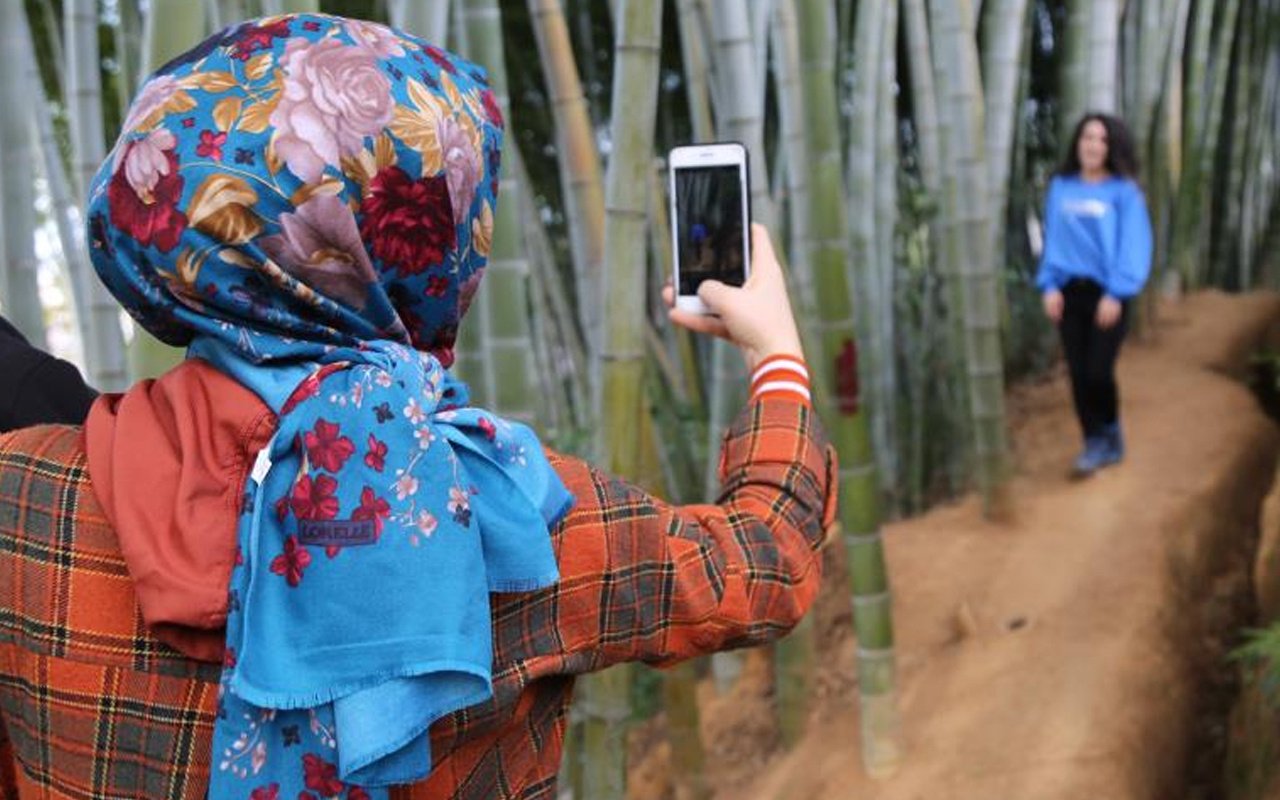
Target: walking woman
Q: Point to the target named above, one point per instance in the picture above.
(300, 564)
(1097, 256)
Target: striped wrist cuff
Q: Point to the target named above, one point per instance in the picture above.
(782, 377)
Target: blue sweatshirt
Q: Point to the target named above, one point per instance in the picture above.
(1099, 231)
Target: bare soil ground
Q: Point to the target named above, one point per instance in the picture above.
(1072, 652)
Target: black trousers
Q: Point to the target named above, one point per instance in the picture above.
(1091, 355)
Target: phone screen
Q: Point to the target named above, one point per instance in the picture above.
(709, 226)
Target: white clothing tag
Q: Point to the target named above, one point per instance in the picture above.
(261, 465)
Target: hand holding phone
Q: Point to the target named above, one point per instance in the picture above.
(710, 210)
(756, 317)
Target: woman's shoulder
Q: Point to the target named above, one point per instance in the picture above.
(1127, 186)
(46, 448)
(50, 455)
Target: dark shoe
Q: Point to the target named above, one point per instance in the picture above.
(1114, 452)
(1094, 457)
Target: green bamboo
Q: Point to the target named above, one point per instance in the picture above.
(21, 294)
(300, 6)
(1104, 55)
(964, 201)
(428, 19)
(1165, 158)
(171, 28)
(1241, 96)
(795, 656)
(923, 97)
(128, 43)
(572, 369)
(1224, 49)
(1074, 87)
(694, 52)
(868, 32)
(885, 418)
(1253, 213)
(639, 40)
(1002, 63)
(579, 161)
(679, 685)
(828, 252)
(680, 699)
(504, 304)
(740, 116)
(786, 62)
(1194, 119)
(100, 326)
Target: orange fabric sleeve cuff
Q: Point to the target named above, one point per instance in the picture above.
(782, 377)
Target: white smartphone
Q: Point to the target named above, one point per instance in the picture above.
(710, 218)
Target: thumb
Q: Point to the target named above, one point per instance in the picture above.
(713, 293)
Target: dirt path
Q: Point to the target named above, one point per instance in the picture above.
(1057, 656)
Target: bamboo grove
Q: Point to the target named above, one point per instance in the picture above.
(900, 150)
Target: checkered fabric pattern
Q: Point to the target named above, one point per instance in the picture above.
(94, 707)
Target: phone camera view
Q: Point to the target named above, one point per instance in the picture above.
(710, 226)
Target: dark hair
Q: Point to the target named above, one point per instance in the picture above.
(1121, 159)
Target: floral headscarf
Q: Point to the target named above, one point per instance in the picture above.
(307, 202)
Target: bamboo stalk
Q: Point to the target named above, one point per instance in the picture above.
(579, 161)
(741, 118)
(885, 418)
(1104, 54)
(965, 202)
(571, 365)
(171, 27)
(21, 294)
(104, 342)
(796, 654)
(1074, 88)
(693, 49)
(828, 250)
(639, 40)
(679, 685)
(507, 343)
(427, 19)
(308, 6)
(867, 288)
(1225, 41)
(55, 46)
(1194, 127)
(786, 46)
(128, 43)
(1001, 62)
(923, 96)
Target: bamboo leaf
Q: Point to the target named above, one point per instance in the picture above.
(221, 208)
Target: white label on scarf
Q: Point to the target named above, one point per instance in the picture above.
(261, 465)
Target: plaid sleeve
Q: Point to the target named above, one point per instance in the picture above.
(645, 580)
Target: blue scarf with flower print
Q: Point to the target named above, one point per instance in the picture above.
(306, 202)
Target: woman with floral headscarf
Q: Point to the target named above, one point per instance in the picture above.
(300, 564)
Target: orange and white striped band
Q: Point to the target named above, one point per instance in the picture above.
(782, 377)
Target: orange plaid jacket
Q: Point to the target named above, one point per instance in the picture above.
(93, 706)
